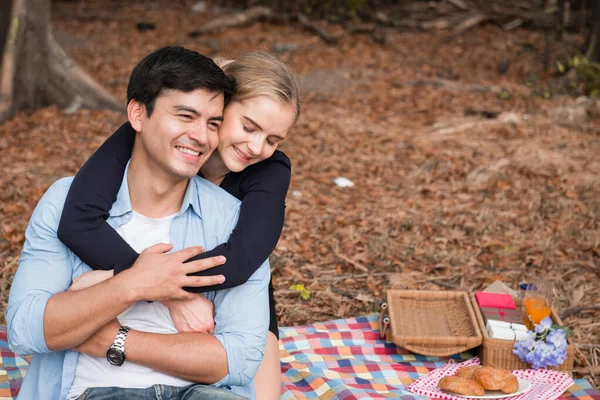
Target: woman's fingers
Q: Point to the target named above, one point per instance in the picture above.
(187, 253)
(202, 265)
(200, 281)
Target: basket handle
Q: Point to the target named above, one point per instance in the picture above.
(384, 321)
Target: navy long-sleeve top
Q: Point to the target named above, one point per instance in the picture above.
(262, 188)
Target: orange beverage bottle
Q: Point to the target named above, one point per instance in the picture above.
(537, 309)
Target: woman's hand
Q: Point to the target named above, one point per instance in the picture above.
(196, 315)
(90, 279)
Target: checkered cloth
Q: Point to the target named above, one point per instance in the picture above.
(545, 384)
(12, 369)
(346, 360)
(342, 359)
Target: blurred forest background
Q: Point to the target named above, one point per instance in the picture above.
(469, 129)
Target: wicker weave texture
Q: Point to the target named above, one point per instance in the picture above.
(432, 323)
(499, 352)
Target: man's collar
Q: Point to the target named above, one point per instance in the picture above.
(122, 204)
(192, 197)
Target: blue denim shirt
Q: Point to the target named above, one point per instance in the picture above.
(207, 217)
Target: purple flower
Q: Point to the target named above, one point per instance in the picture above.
(546, 347)
(529, 343)
(546, 322)
(540, 329)
(557, 338)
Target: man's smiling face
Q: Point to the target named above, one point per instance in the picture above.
(181, 133)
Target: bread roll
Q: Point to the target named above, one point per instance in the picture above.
(460, 385)
(467, 372)
(494, 378)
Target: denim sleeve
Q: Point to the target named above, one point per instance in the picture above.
(242, 324)
(45, 268)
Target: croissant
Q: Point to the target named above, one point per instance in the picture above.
(460, 385)
(467, 372)
(494, 378)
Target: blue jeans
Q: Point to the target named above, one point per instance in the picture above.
(160, 392)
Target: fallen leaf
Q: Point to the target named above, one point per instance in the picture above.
(493, 243)
(367, 298)
(576, 296)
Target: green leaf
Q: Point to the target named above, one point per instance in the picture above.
(561, 67)
(299, 287)
(305, 294)
(568, 331)
(505, 95)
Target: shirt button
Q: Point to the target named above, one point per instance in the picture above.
(127, 217)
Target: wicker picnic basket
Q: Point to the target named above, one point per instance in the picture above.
(431, 323)
(499, 352)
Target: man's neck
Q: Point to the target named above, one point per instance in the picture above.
(153, 194)
(214, 169)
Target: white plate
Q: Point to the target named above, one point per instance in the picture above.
(524, 386)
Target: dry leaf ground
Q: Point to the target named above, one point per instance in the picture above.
(444, 197)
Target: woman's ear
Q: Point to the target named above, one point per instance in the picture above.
(135, 113)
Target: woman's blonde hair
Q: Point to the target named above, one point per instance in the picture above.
(261, 74)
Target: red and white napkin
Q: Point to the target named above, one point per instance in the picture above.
(546, 384)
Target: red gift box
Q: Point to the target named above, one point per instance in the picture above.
(495, 300)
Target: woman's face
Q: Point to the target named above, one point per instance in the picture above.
(252, 129)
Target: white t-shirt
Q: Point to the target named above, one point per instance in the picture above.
(141, 232)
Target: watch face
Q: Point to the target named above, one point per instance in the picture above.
(115, 357)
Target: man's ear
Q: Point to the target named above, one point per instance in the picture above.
(135, 113)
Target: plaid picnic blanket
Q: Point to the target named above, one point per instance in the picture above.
(342, 359)
(346, 359)
(12, 369)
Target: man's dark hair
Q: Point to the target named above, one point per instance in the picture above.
(175, 68)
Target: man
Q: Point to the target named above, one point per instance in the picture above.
(175, 104)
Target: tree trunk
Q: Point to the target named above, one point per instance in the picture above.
(35, 71)
(594, 50)
(5, 11)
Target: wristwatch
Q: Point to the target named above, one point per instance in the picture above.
(116, 353)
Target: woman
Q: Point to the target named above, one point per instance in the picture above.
(247, 164)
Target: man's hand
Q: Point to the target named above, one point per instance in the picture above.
(196, 315)
(97, 345)
(156, 276)
(90, 279)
